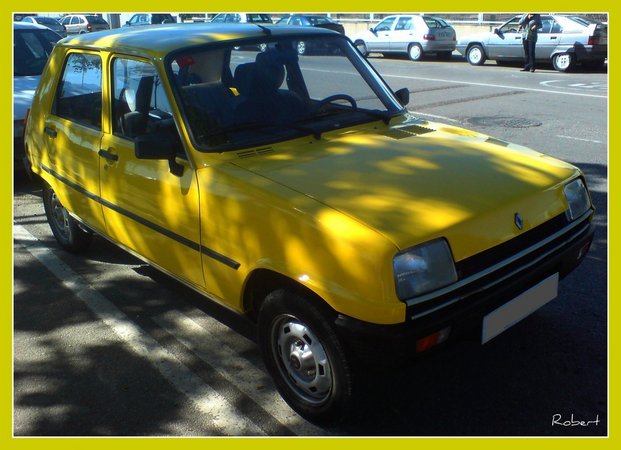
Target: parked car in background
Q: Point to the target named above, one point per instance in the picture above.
(32, 45)
(309, 20)
(84, 23)
(149, 19)
(242, 18)
(302, 194)
(49, 22)
(564, 41)
(414, 35)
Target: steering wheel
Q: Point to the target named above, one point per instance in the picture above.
(335, 97)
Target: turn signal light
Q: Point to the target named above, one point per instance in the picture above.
(427, 342)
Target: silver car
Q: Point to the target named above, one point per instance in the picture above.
(415, 35)
(81, 23)
(563, 40)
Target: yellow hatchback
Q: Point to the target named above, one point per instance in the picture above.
(298, 190)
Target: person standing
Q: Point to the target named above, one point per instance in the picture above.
(529, 24)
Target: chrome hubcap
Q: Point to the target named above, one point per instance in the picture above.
(303, 360)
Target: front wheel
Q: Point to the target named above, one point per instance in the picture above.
(476, 55)
(65, 228)
(563, 62)
(305, 357)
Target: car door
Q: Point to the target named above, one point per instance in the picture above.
(147, 208)
(73, 132)
(548, 38)
(379, 38)
(506, 43)
(402, 35)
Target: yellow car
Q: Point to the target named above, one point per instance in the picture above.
(298, 190)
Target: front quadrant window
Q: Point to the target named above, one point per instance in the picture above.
(139, 103)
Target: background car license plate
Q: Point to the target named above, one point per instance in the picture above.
(517, 309)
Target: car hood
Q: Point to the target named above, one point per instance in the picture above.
(24, 88)
(419, 182)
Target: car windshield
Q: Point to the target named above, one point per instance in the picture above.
(31, 51)
(258, 92)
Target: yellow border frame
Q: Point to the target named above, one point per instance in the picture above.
(6, 186)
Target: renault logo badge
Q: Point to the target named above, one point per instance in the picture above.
(519, 222)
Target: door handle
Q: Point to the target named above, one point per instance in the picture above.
(108, 155)
(553, 37)
(51, 132)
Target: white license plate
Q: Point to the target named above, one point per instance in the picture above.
(520, 307)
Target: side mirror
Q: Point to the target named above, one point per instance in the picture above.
(403, 95)
(372, 30)
(497, 31)
(158, 146)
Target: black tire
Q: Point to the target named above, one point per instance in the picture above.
(476, 55)
(362, 48)
(415, 52)
(563, 62)
(319, 386)
(65, 228)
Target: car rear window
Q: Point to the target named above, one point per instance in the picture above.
(96, 19)
(433, 22)
(258, 18)
(31, 50)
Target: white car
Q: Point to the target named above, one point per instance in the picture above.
(564, 41)
(415, 35)
(32, 45)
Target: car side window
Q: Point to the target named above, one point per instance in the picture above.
(556, 27)
(546, 24)
(139, 104)
(511, 27)
(404, 23)
(78, 96)
(385, 25)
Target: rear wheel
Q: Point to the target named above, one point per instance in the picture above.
(415, 52)
(301, 47)
(65, 228)
(305, 357)
(563, 62)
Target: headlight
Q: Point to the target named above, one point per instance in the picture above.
(577, 198)
(424, 268)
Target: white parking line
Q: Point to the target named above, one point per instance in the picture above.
(501, 86)
(579, 139)
(221, 413)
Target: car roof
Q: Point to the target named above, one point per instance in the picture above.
(28, 26)
(156, 42)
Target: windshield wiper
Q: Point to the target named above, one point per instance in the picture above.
(383, 116)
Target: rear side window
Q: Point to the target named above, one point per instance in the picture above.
(78, 97)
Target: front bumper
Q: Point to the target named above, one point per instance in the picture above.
(462, 309)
